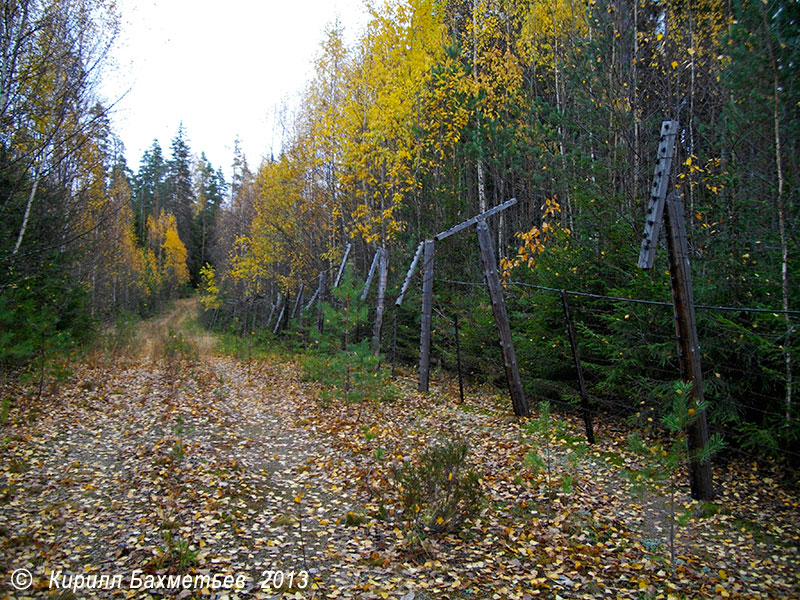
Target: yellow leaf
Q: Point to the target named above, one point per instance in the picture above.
(674, 64)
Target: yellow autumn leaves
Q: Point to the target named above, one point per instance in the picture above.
(534, 240)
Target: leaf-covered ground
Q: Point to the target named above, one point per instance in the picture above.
(203, 464)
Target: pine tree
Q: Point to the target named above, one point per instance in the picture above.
(181, 199)
(150, 192)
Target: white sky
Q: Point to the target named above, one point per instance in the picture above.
(223, 68)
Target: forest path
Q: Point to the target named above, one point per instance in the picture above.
(150, 334)
(168, 457)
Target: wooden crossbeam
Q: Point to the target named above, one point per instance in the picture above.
(464, 224)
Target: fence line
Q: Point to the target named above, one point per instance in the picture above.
(631, 300)
(736, 385)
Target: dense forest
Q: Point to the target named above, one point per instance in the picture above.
(440, 110)
(209, 381)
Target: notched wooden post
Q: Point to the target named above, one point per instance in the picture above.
(655, 209)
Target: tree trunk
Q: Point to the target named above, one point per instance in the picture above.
(479, 165)
(24, 226)
(787, 354)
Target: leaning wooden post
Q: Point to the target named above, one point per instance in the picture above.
(383, 275)
(341, 266)
(410, 274)
(576, 357)
(658, 192)
(501, 319)
(427, 316)
(279, 320)
(314, 295)
(297, 301)
(700, 478)
(371, 274)
(688, 343)
(272, 312)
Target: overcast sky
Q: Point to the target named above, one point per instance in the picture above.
(222, 68)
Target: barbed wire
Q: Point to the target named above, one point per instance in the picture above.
(629, 300)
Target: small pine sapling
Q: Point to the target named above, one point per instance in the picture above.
(663, 463)
(544, 431)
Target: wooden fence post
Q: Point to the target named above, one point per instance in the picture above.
(383, 275)
(671, 210)
(458, 360)
(688, 343)
(427, 316)
(394, 342)
(501, 319)
(576, 357)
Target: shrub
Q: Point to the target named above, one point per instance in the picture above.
(178, 347)
(439, 492)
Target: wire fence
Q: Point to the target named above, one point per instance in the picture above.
(628, 354)
(627, 349)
